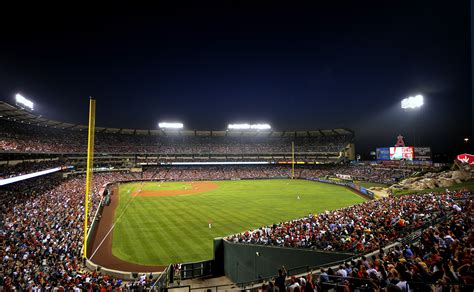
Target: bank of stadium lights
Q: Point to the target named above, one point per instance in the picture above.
(412, 102)
(166, 125)
(249, 127)
(22, 101)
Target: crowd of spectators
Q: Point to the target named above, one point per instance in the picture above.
(225, 172)
(7, 170)
(41, 223)
(366, 173)
(373, 173)
(360, 172)
(441, 260)
(20, 137)
(369, 173)
(359, 228)
(215, 172)
(42, 233)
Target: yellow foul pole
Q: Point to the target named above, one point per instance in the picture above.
(292, 160)
(90, 165)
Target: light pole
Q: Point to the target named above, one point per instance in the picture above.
(410, 103)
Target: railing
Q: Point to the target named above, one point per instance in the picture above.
(290, 272)
(362, 284)
(336, 282)
(224, 287)
(163, 280)
(309, 269)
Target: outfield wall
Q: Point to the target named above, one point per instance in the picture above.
(356, 187)
(248, 262)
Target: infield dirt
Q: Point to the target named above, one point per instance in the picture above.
(196, 187)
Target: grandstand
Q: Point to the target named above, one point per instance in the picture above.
(365, 243)
(436, 227)
(23, 132)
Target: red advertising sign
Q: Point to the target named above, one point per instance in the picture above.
(466, 158)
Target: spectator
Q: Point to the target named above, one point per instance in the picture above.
(280, 280)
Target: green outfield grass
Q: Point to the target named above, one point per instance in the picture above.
(164, 230)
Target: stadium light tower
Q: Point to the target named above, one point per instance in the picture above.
(24, 102)
(167, 125)
(413, 102)
(257, 127)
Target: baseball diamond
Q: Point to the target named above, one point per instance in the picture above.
(158, 223)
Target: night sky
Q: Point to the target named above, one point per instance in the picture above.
(297, 67)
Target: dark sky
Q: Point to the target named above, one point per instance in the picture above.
(297, 67)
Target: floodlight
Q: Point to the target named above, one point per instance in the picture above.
(412, 102)
(260, 127)
(249, 127)
(166, 125)
(23, 101)
(238, 126)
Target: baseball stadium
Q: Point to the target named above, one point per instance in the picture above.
(260, 146)
(171, 208)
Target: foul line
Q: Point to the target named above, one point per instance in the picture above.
(111, 228)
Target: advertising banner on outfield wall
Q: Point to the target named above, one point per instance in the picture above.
(343, 176)
(347, 184)
(383, 153)
(422, 153)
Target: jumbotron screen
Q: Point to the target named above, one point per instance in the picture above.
(401, 153)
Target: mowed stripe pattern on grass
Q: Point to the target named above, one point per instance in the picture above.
(164, 230)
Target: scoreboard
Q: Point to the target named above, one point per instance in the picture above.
(401, 153)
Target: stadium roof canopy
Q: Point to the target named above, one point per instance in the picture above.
(13, 113)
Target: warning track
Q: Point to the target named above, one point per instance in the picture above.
(101, 246)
